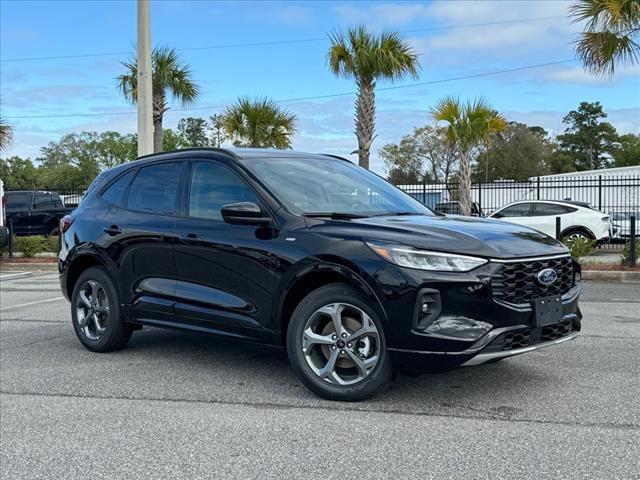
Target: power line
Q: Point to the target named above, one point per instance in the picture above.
(276, 42)
(315, 97)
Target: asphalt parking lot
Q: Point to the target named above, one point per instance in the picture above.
(179, 405)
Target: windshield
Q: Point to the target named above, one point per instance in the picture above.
(331, 186)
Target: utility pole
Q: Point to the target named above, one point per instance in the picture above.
(144, 84)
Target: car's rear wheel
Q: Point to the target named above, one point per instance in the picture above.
(336, 344)
(573, 235)
(95, 311)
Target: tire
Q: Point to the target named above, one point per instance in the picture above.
(105, 330)
(361, 367)
(54, 232)
(575, 234)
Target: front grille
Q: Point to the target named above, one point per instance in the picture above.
(555, 331)
(516, 282)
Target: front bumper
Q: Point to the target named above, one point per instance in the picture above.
(469, 297)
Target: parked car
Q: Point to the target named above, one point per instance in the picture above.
(350, 274)
(35, 212)
(4, 231)
(453, 208)
(623, 222)
(576, 220)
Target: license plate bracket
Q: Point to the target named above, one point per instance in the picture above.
(547, 310)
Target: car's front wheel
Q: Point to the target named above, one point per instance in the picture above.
(336, 344)
(95, 311)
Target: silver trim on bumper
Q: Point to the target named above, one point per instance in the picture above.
(485, 357)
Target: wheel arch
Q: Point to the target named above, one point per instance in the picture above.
(81, 262)
(310, 278)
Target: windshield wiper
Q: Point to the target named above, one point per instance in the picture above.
(391, 214)
(335, 215)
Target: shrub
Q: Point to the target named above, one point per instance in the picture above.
(626, 253)
(579, 247)
(31, 245)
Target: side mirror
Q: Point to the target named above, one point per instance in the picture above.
(244, 213)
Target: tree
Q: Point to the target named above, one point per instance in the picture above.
(366, 57)
(218, 134)
(6, 135)
(628, 153)
(425, 154)
(194, 132)
(170, 78)
(113, 148)
(587, 139)
(19, 173)
(610, 36)
(171, 140)
(469, 125)
(259, 123)
(518, 153)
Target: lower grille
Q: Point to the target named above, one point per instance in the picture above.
(516, 340)
(517, 282)
(555, 331)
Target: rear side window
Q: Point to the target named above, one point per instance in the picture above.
(155, 189)
(545, 209)
(115, 193)
(16, 201)
(519, 210)
(213, 186)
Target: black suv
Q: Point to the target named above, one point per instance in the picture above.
(311, 252)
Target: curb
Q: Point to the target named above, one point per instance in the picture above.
(616, 276)
(28, 267)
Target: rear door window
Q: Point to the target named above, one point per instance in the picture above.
(155, 189)
(42, 201)
(549, 209)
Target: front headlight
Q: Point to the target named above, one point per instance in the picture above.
(425, 260)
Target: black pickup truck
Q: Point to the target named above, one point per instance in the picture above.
(34, 212)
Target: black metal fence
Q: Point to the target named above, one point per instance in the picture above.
(617, 196)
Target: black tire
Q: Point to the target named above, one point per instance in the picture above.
(576, 231)
(55, 231)
(117, 333)
(366, 387)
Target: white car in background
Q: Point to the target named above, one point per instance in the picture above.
(576, 220)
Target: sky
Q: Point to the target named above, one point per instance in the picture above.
(455, 38)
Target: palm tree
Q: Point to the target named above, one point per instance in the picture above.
(366, 57)
(259, 123)
(6, 135)
(470, 124)
(169, 78)
(611, 33)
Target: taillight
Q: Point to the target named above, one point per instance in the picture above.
(4, 210)
(65, 223)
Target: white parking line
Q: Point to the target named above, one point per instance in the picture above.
(9, 275)
(31, 303)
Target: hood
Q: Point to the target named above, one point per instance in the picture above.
(453, 233)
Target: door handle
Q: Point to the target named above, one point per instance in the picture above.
(113, 230)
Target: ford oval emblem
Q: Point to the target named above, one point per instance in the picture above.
(547, 276)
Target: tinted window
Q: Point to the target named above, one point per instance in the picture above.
(16, 201)
(213, 186)
(155, 189)
(42, 201)
(519, 210)
(544, 209)
(115, 193)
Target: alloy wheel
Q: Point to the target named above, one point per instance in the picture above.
(92, 310)
(341, 344)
